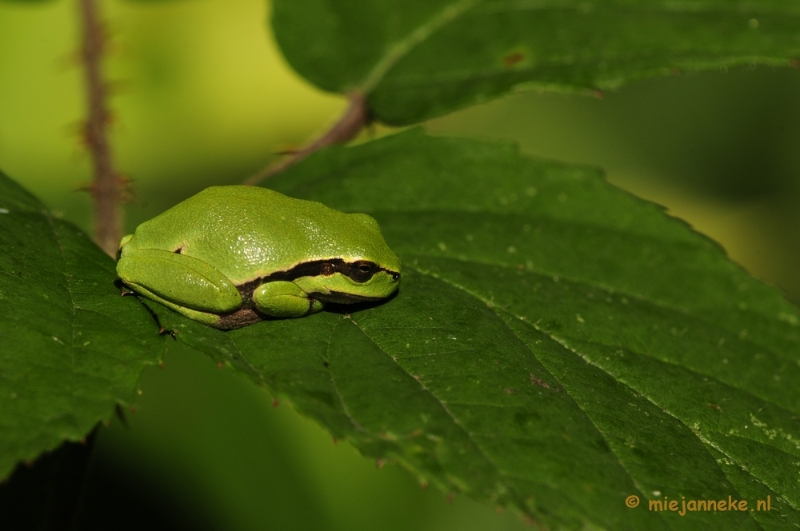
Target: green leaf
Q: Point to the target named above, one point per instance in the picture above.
(556, 345)
(70, 347)
(416, 60)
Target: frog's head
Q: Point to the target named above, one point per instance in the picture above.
(353, 263)
(342, 281)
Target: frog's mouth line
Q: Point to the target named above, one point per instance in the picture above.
(337, 297)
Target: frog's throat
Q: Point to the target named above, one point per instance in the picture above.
(339, 297)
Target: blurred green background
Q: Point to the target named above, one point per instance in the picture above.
(202, 96)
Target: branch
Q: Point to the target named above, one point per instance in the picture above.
(107, 184)
(354, 119)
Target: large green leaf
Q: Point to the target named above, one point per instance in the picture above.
(417, 59)
(70, 347)
(556, 345)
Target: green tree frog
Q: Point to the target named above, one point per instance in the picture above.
(233, 255)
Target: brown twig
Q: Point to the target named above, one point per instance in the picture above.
(107, 184)
(354, 119)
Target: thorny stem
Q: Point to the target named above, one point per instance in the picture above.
(106, 188)
(354, 119)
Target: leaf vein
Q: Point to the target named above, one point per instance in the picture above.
(501, 471)
(339, 395)
(397, 50)
(611, 291)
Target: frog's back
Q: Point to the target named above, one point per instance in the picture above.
(251, 232)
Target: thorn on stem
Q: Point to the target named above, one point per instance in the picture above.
(288, 150)
(105, 190)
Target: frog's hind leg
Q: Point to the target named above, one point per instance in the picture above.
(179, 281)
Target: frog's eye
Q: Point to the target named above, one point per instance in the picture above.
(362, 271)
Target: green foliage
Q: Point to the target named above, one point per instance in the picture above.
(417, 60)
(70, 347)
(556, 344)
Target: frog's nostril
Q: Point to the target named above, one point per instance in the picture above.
(395, 276)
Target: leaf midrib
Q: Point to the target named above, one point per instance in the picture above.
(397, 50)
(642, 299)
(471, 436)
(672, 6)
(565, 344)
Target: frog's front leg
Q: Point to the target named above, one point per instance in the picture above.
(284, 299)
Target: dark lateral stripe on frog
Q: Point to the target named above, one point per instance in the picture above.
(360, 271)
